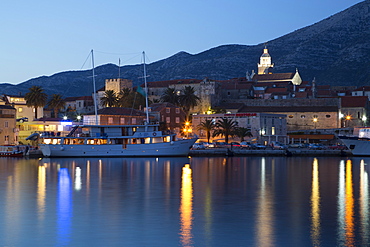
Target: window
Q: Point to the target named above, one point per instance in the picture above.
(272, 130)
(177, 110)
(168, 119)
(327, 116)
(168, 110)
(122, 120)
(110, 120)
(177, 120)
(303, 116)
(20, 109)
(6, 124)
(315, 116)
(290, 116)
(133, 120)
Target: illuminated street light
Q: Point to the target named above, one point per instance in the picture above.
(315, 121)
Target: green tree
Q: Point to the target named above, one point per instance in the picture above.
(188, 99)
(225, 127)
(123, 96)
(36, 98)
(208, 126)
(56, 103)
(170, 95)
(109, 99)
(242, 132)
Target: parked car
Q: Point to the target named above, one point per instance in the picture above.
(220, 144)
(338, 147)
(235, 144)
(317, 146)
(296, 145)
(198, 146)
(258, 146)
(277, 145)
(247, 145)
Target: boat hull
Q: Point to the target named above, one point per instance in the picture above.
(176, 148)
(358, 147)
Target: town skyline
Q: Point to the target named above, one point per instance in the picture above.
(55, 38)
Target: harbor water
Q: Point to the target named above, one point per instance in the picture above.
(199, 201)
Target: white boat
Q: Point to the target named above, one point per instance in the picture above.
(115, 141)
(359, 144)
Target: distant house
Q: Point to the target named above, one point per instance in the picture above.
(168, 113)
(354, 111)
(362, 91)
(8, 130)
(115, 116)
(80, 105)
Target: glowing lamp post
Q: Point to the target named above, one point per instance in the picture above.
(315, 121)
(187, 129)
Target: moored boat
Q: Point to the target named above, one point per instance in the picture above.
(115, 141)
(359, 144)
(11, 151)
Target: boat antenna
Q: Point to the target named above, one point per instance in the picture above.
(146, 91)
(93, 76)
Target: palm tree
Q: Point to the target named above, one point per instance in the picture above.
(109, 99)
(123, 97)
(188, 99)
(208, 126)
(170, 95)
(36, 98)
(56, 103)
(242, 132)
(225, 127)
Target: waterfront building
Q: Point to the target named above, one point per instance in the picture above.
(8, 130)
(115, 116)
(265, 127)
(173, 117)
(79, 105)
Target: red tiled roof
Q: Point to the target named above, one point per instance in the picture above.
(363, 88)
(172, 82)
(354, 101)
(276, 90)
(277, 76)
(160, 106)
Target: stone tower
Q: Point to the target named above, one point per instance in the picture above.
(117, 84)
(265, 66)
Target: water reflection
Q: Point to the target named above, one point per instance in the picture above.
(364, 203)
(186, 206)
(265, 216)
(315, 205)
(41, 191)
(64, 207)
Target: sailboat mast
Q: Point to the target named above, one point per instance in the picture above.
(93, 75)
(146, 91)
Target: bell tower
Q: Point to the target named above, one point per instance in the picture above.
(265, 66)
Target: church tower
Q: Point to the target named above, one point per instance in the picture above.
(265, 65)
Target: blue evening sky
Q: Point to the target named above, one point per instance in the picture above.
(45, 37)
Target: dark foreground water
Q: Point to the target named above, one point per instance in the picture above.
(239, 201)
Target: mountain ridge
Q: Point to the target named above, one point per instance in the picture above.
(334, 51)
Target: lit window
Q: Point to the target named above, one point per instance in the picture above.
(110, 120)
(122, 120)
(303, 116)
(133, 120)
(272, 130)
(20, 109)
(290, 116)
(168, 119)
(177, 120)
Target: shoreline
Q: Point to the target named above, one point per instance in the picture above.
(268, 152)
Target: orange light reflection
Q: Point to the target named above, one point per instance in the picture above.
(186, 206)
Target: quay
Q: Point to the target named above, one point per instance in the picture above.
(267, 152)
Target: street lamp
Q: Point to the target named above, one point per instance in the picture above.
(187, 129)
(315, 121)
